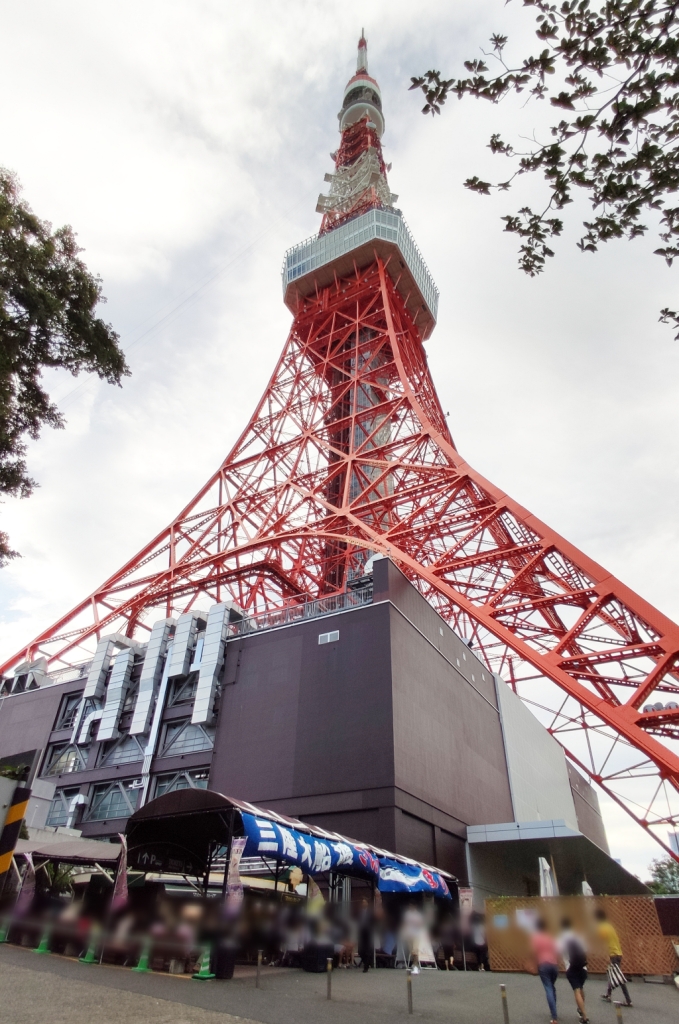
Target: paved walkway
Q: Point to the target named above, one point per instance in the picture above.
(55, 990)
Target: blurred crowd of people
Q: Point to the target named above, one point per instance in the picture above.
(356, 928)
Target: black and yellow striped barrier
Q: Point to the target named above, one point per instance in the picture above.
(10, 833)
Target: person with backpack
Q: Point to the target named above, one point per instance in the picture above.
(574, 956)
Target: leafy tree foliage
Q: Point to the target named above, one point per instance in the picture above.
(47, 319)
(664, 876)
(55, 878)
(616, 89)
(17, 772)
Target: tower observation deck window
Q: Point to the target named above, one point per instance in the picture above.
(386, 224)
(362, 92)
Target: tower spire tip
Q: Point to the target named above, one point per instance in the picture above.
(362, 59)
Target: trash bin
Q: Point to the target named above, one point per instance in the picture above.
(224, 959)
(315, 956)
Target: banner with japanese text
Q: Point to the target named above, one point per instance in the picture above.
(314, 856)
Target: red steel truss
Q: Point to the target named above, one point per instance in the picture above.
(348, 453)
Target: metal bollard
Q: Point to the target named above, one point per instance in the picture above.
(328, 969)
(259, 964)
(618, 1011)
(505, 1007)
(409, 985)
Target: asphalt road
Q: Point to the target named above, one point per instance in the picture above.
(54, 990)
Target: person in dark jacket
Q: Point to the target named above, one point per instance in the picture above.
(574, 956)
(366, 942)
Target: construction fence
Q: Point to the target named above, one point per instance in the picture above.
(646, 950)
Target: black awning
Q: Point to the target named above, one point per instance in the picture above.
(179, 832)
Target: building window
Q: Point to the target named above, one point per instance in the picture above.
(114, 800)
(65, 757)
(183, 690)
(173, 781)
(185, 738)
(58, 813)
(130, 696)
(67, 711)
(328, 638)
(121, 751)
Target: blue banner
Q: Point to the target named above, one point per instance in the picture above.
(395, 876)
(314, 856)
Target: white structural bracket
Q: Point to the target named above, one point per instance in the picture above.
(151, 674)
(84, 735)
(184, 644)
(116, 693)
(211, 662)
(96, 677)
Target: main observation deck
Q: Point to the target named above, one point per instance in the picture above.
(315, 262)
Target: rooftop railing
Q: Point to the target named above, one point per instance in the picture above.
(301, 612)
(286, 616)
(318, 250)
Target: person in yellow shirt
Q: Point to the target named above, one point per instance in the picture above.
(609, 936)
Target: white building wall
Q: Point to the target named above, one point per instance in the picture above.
(538, 775)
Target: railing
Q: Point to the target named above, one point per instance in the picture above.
(318, 250)
(254, 623)
(300, 612)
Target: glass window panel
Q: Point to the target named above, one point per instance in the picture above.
(62, 758)
(171, 783)
(115, 800)
(122, 751)
(67, 711)
(185, 738)
(183, 690)
(58, 813)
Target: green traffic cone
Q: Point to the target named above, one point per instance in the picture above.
(91, 954)
(143, 965)
(204, 968)
(44, 945)
(5, 926)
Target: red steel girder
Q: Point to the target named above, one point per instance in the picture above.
(348, 453)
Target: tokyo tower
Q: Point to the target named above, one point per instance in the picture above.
(348, 455)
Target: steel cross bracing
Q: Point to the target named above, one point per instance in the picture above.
(347, 454)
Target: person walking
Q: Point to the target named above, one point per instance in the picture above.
(616, 978)
(412, 927)
(366, 937)
(546, 956)
(479, 941)
(574, 956)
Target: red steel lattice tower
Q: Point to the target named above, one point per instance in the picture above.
(348, 454)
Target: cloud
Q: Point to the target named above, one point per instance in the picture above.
(186, 142)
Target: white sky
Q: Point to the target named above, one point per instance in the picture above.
(186, 142)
